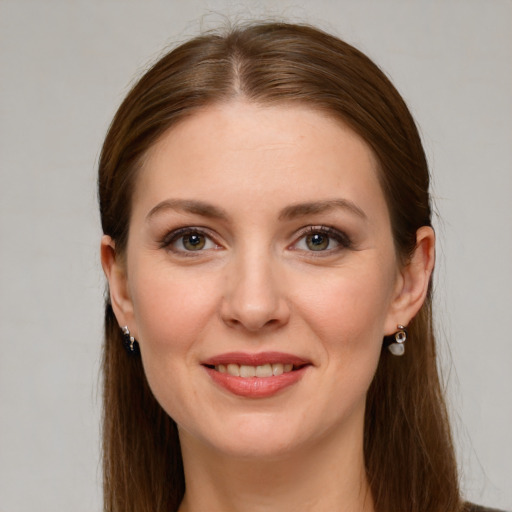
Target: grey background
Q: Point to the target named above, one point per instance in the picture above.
(64, 68)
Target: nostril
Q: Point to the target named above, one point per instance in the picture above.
(253, 323)
(254, 311)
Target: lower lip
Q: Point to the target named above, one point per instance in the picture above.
(256, 387)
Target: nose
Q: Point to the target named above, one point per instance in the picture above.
(254, 298)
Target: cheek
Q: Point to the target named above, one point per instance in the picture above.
(348, 315)
(348, 309)
(343, 315)
(171, 308)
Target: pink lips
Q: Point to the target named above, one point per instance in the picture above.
(256, 387)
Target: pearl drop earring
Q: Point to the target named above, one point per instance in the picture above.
(397, 348)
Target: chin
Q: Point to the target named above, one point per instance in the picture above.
(258, 447)
(262, 436)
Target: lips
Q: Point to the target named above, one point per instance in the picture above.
(242, 358)
(256, 375)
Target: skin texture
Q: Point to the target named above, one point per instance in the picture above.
(256, 285)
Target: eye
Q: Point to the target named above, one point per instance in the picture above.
(322, 239)
(188, 240)
(193, 241)
(318, 241)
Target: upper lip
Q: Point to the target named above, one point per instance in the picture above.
(259, 359)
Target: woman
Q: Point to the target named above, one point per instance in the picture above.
(269, 252)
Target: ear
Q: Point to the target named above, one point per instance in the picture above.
(413, 281)
(115, 271)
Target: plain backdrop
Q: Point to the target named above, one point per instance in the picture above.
(64, 68)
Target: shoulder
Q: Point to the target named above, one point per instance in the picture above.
(470, 507)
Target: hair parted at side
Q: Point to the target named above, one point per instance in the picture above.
(408, 448)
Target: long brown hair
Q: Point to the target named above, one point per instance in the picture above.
(407, 444)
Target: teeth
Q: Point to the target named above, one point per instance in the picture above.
(265, 370)
(233, 369)
(277, 369)
(247, 371)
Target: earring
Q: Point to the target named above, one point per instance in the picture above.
(129, 342)
(397, 348)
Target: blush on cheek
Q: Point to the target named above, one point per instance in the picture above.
(170, 310)
(343, 309)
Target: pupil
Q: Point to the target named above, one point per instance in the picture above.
(194, 242)
(317, 239)
(317, 242)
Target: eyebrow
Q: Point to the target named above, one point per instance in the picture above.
(289, 213)
(303, 209)
(190, 206)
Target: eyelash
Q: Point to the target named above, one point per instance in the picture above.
(174, 236)
(339, 237)
(333, 234)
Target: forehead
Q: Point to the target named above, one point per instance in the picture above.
(276, 154)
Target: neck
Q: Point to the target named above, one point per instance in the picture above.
(324, 477)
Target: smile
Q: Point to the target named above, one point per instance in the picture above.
(246, 371)
(256, 375)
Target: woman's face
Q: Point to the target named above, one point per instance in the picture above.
(260, 243)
